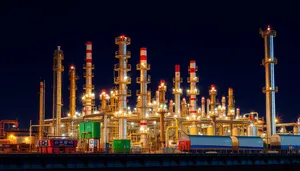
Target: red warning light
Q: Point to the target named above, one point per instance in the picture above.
(269, 28)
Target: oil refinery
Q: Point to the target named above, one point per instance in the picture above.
(155, 124)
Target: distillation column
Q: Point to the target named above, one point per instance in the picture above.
(89, 96)
(162, 109)
(41, 112)
(122, 80)
(59, 56)
(270, 89)
(213, 94)
(73, 78)
(143, 80)
(184, 110)
(177, 91)
(104, 97)
(230, 110)
(193, 92)
(223, 109)
(203, 107)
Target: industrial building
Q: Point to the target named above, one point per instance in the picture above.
(156, 123)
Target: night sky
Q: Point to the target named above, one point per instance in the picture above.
(223, 38)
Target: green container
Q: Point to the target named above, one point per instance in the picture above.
(90, 130)
(81, 130)
(121, 146)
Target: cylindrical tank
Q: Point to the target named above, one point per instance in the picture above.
(296, 130)
(285, 142)
(221, 130)
(252, 130)
(249, 143)
(193, 130)
(282, 129)
(199, 142)
(210, 130)
(235, 131)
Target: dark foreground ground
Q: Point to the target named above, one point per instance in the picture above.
(203, 168)
(146, 162)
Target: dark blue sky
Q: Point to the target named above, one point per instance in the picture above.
(223, 38)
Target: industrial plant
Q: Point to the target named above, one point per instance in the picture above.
(155, 124)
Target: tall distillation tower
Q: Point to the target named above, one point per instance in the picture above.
(162, 109)
(73, 78)
(73, 88)
(58, 68)
(122, 80)
(270, 89)
(143, 80)
(177, 91)
(213, 114)
(41, 110)
(231, 110)
(89, 96)
(193, 92)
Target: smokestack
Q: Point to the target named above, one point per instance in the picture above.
(59, 56)
(41, 112)
(88, 98)
(193, 92)
(122, 80)
(270, 89)
(177, 91)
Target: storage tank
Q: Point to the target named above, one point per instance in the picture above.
(282, 129)
(252, 130)
(193, 130)
(210, 142)
(221, 130)
(235, 131)
(248, 142)
(285, 142)
(210, 130)
(296, 130)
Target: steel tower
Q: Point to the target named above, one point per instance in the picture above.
(122, 80)
(270, 89)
